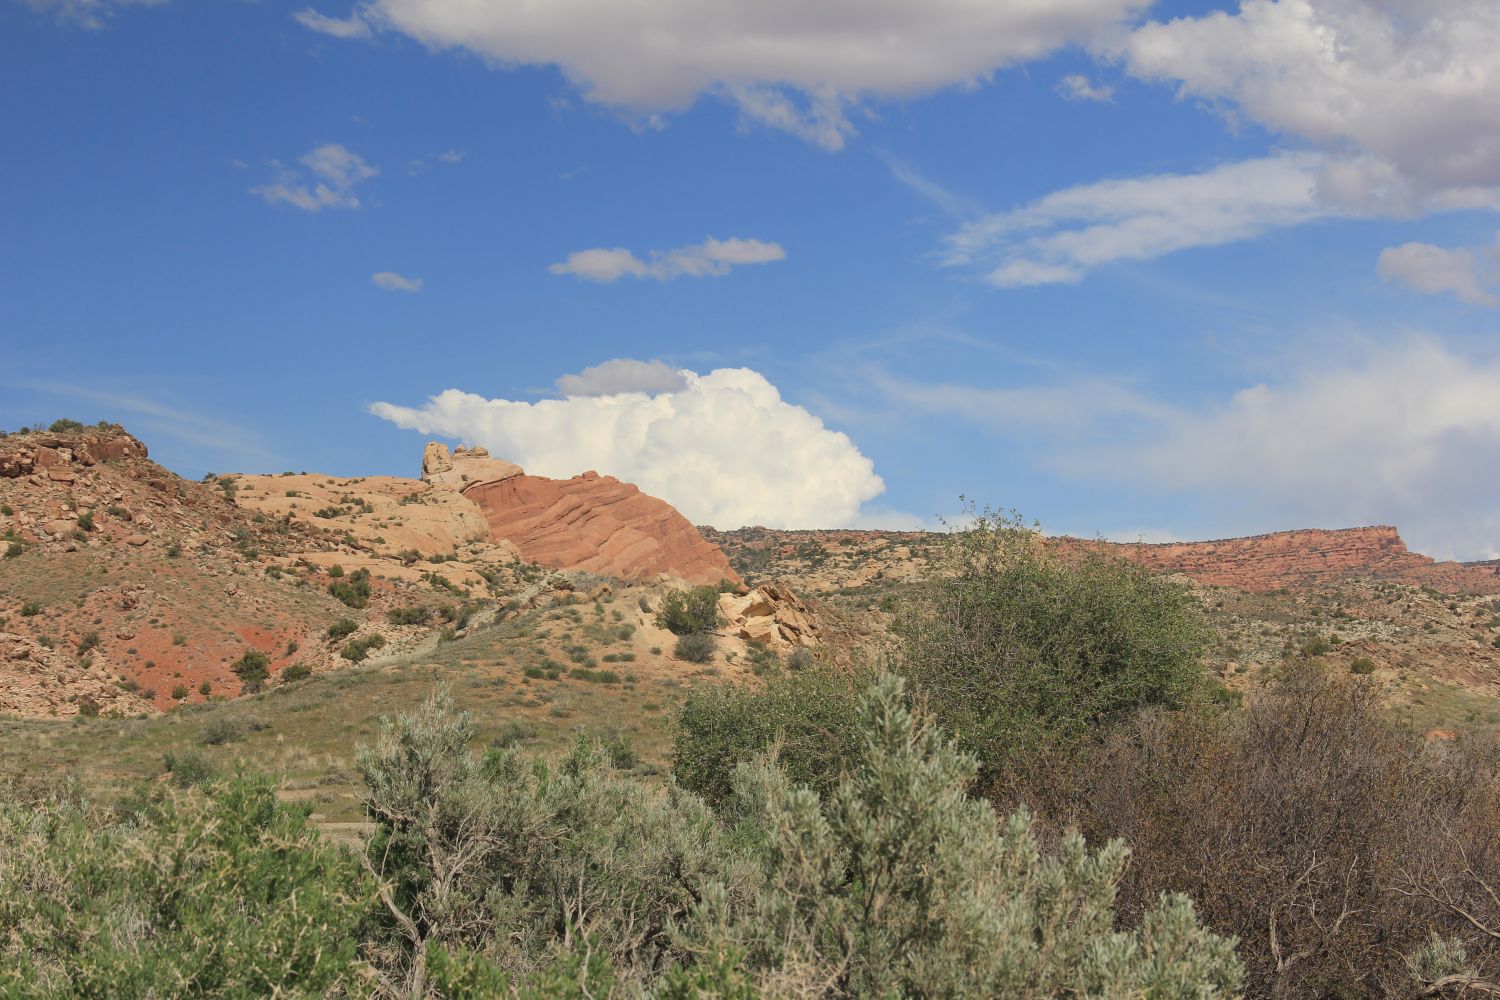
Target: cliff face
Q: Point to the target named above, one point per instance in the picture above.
(1298, 559)
(598, 524)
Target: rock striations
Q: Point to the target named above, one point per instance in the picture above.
(590, 522)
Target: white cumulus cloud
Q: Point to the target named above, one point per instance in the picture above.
(622, 375)
(725, 449)
(327, 179)
(1400, 93)
(711, 258)
(393, 282)
(1432, 270)
(795, 66)
(1058, 238)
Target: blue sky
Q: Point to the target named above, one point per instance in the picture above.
(1179, 270)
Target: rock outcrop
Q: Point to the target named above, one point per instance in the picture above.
(463, 468)
(54, 454)
(770, 615)
(598, 524)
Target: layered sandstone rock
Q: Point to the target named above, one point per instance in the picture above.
(770, 615)
(37, 682)
(598, 524)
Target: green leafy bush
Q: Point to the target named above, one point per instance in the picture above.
(357, 650)
(252, 669)
(416, 615)
(685, 612)
(353, 590)
(342, 629)
(296, 672)
(1019, 648)
(227, 894)
(814, 717)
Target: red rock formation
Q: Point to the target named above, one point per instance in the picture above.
(1307, 558)
(599, 524)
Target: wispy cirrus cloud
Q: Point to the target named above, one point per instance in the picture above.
(1060, 237)
(393, 282)
(327, 178)
(711, 258)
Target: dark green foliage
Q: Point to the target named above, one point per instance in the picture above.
(88, 643)
(695, 648)
(1018, 648)
(174, 550)
(356, 650)
(1362, 665)
(86, 522)
(31, 608)
(353, 590)
(226, 894)
(206, 688)
(296, 672)
(595, 676)
(65, 425)
(222, 730)
(252, 669)
(813, 716)
(416, 615)
(188, 768)
(14, 549)
(685, 612)
(179, 692)
(342, 629)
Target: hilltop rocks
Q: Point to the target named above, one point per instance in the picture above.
(598, 524)
(464, 468)
(25, 454)
(769, 615)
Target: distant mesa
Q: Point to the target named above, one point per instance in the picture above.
(590, 522)
(1307, 558)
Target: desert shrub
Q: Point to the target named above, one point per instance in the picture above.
(217, 732)
(88, 643)
(296, 672)
(485, 857)
(698, 647)
(342, 629)
(1362, 665)
(353, 590)
(30, 609)
(88, 708)
(14, 549)
(799, 659)
(357, 650)
(252, 669)
(65, 425)
(595, 676)
(179, 692)
(86, 522)
(416, 615)
(206, 688)
(763, 660)
(813, 718)
(1018, 648)
(684, 612)
(1331, 843)
(336, 571)
(188, 768)
(900, 884)
(174, 550)
(226, 894)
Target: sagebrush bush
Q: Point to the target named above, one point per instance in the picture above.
(697, 647)
(353, 589)
(899, 884)
(252, 669)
